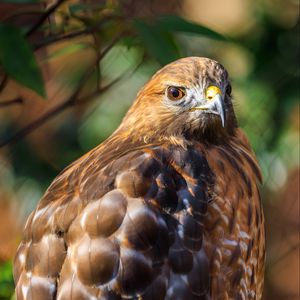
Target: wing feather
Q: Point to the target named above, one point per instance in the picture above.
(109, 231)
(156, 223)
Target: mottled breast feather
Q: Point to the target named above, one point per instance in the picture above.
(162, 222)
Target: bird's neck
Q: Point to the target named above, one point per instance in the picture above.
(125, 140)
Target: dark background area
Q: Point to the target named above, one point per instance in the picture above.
(69, 70)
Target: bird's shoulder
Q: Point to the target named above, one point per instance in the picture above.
(142, 171)
(132, 171)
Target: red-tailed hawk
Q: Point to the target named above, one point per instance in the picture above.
(168, 207)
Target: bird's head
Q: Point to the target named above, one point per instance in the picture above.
(190, 97)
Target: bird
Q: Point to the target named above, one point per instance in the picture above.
(166, 208)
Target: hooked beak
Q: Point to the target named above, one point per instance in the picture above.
(213, 105)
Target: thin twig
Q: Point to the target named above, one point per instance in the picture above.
(64, 105)
(124, 75)
(98, 70)
(275, 261)
(53, 39)
(11, 102)
(44, 17)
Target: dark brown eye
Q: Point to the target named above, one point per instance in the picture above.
(175, 93)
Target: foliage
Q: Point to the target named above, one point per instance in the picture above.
(17, 59)
(6, 281)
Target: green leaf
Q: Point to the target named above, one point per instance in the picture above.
(18, 60)
(178, 24)
(6, 280)
(129, 41)
(160, 44)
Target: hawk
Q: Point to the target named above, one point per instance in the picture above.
(168, 207)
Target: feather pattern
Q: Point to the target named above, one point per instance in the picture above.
(170, 216)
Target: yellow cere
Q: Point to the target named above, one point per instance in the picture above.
(212, 91)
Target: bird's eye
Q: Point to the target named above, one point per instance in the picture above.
(175, 93)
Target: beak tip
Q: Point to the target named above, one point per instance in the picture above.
(220, 109)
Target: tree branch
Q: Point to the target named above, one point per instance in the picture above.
(272, 263)
(44, 17)
(54, 38)
(66, 104)
(124, 75)
(11, 102)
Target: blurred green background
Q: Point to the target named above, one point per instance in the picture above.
(91, 58)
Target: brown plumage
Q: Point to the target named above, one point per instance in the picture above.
(168, 207)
